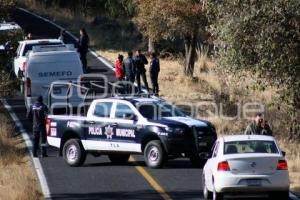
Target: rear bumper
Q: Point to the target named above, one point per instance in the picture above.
(228, 182)
(53, 141)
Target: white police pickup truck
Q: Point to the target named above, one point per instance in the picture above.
(121, 126)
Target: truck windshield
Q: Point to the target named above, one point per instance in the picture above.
(157, 110)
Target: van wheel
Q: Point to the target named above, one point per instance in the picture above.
(154, 154)
(197, 161)
(119, 158)
(74, 153)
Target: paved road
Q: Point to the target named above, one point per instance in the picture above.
(98, 178)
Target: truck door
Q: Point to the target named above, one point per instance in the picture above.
(99, 130)
(125, 128)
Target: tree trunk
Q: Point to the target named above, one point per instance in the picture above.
(151, 45)
(190, 53)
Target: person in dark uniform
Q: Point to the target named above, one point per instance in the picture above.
(37, 114)
(140, 61)
(154, 70)
(83, 46)
(129, 69)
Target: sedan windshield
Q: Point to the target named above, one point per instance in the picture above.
(157, 110)
(252, 146)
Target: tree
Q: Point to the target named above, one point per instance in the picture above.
(262, 37)
(5, 6)
(167, 19)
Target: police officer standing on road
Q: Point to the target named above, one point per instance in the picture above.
(129, 71)
(37, 114)
(140, 61)
(154, 70)
(83, 46)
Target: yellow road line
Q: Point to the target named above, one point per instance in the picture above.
(151, 180)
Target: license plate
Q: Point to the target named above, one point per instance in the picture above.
(202, 144)
(253, 182)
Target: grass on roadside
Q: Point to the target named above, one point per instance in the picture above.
(209, 86)
(17, 179)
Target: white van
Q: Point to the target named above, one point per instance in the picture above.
(47, 64)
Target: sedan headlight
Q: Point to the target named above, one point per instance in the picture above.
(175, 130)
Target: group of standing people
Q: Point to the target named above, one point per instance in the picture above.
(130, 69)
(133, 69)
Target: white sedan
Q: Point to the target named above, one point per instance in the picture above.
(250, 165)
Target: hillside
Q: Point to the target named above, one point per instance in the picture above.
(213, 94)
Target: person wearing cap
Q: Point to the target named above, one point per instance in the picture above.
(37, 113)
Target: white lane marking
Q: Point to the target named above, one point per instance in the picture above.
(108, 64)
(36, 162)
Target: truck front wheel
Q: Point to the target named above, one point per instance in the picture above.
(74, 153)
(154, 154)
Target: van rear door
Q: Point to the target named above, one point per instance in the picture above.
(47, 67)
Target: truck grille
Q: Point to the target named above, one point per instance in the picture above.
(204, 137)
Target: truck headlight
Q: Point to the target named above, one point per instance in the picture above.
(174, 130)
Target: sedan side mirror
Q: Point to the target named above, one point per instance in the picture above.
(283, 153)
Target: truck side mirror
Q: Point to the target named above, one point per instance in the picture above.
(130, 116)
